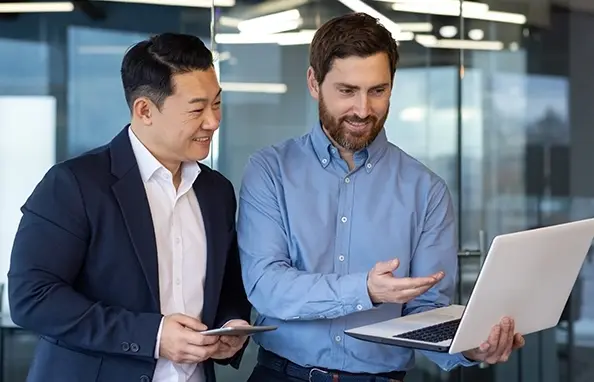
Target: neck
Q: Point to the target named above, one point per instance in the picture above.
(345, 154)
(174, 166)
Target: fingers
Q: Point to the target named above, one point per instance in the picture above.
(189, 322)
(518, 341)
(493, 342)
(197, 354)
(233, 341)
(411, 287)
(421, 282)
(505, 338)
(501, 341)
(197, 339)
(509, 341)
(384, 267)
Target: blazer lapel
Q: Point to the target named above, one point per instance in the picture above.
(131, 196)
(207, 200)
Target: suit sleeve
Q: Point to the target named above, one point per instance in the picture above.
(48, 253)
(233, 300)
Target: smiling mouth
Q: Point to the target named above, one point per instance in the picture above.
(358, 125)
(201, 139)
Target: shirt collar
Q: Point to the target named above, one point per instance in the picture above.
(148, 165)
(324, 149)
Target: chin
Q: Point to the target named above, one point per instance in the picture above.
(197, 156)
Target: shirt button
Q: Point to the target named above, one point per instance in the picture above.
(324, 160)
(359, 307)
(343, 219)
(369, 165)
(341, 258)
(337, 338)
(177, 281)
(177, 240)
(347, 180)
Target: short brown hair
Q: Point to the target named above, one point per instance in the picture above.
(353, 34)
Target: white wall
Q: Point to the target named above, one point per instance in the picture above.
(27, 151)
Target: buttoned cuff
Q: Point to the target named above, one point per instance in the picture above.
(158, 344)
(463, 361)
(355, 292)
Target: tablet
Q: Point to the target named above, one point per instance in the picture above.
(238, 330)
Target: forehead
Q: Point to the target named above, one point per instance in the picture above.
(196, 84)
(361, 71)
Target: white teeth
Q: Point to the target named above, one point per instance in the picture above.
(205, 139)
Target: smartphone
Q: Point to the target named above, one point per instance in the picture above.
(238, 330)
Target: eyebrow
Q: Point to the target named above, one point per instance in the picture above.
(203, 99)
(342, 84)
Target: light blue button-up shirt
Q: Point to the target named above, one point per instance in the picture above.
(309, 232)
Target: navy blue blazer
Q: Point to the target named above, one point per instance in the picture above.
(84, 272)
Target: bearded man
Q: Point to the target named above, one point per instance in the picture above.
(340, 228)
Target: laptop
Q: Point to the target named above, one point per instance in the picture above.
(526, 275)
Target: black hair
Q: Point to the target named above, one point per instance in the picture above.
(148, 66)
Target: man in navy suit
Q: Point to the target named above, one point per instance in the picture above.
(126, 253)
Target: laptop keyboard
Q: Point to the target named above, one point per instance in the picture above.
(434, 333)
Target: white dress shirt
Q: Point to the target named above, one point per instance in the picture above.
(181, 249)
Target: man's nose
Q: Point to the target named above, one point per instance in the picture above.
(362, 109)
(212, 120)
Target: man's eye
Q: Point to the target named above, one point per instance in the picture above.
(197, 111)
(345, 91)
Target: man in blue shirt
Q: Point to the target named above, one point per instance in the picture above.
(340, 228)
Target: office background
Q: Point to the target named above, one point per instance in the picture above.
(495, 96)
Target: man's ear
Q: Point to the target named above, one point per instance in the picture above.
(312, 84)
(142, 109)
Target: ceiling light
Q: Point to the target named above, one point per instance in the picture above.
(440, 7)
(181, 3)
(448, 31)
(227, 21)
(54, 6)
(416, 27)
(503, 17)
(359, 6)
(254, 87)
(273, 23)
(476, 34)
(470, 10)
(302, 37)
(430, 41)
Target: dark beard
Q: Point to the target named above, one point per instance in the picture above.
(351, 141)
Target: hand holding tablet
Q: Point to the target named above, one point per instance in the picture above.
(238, 330)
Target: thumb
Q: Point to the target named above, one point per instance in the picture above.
(387, 266)
(190, 322)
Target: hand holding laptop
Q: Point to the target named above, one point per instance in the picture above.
(501, 342)
(383, 287)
